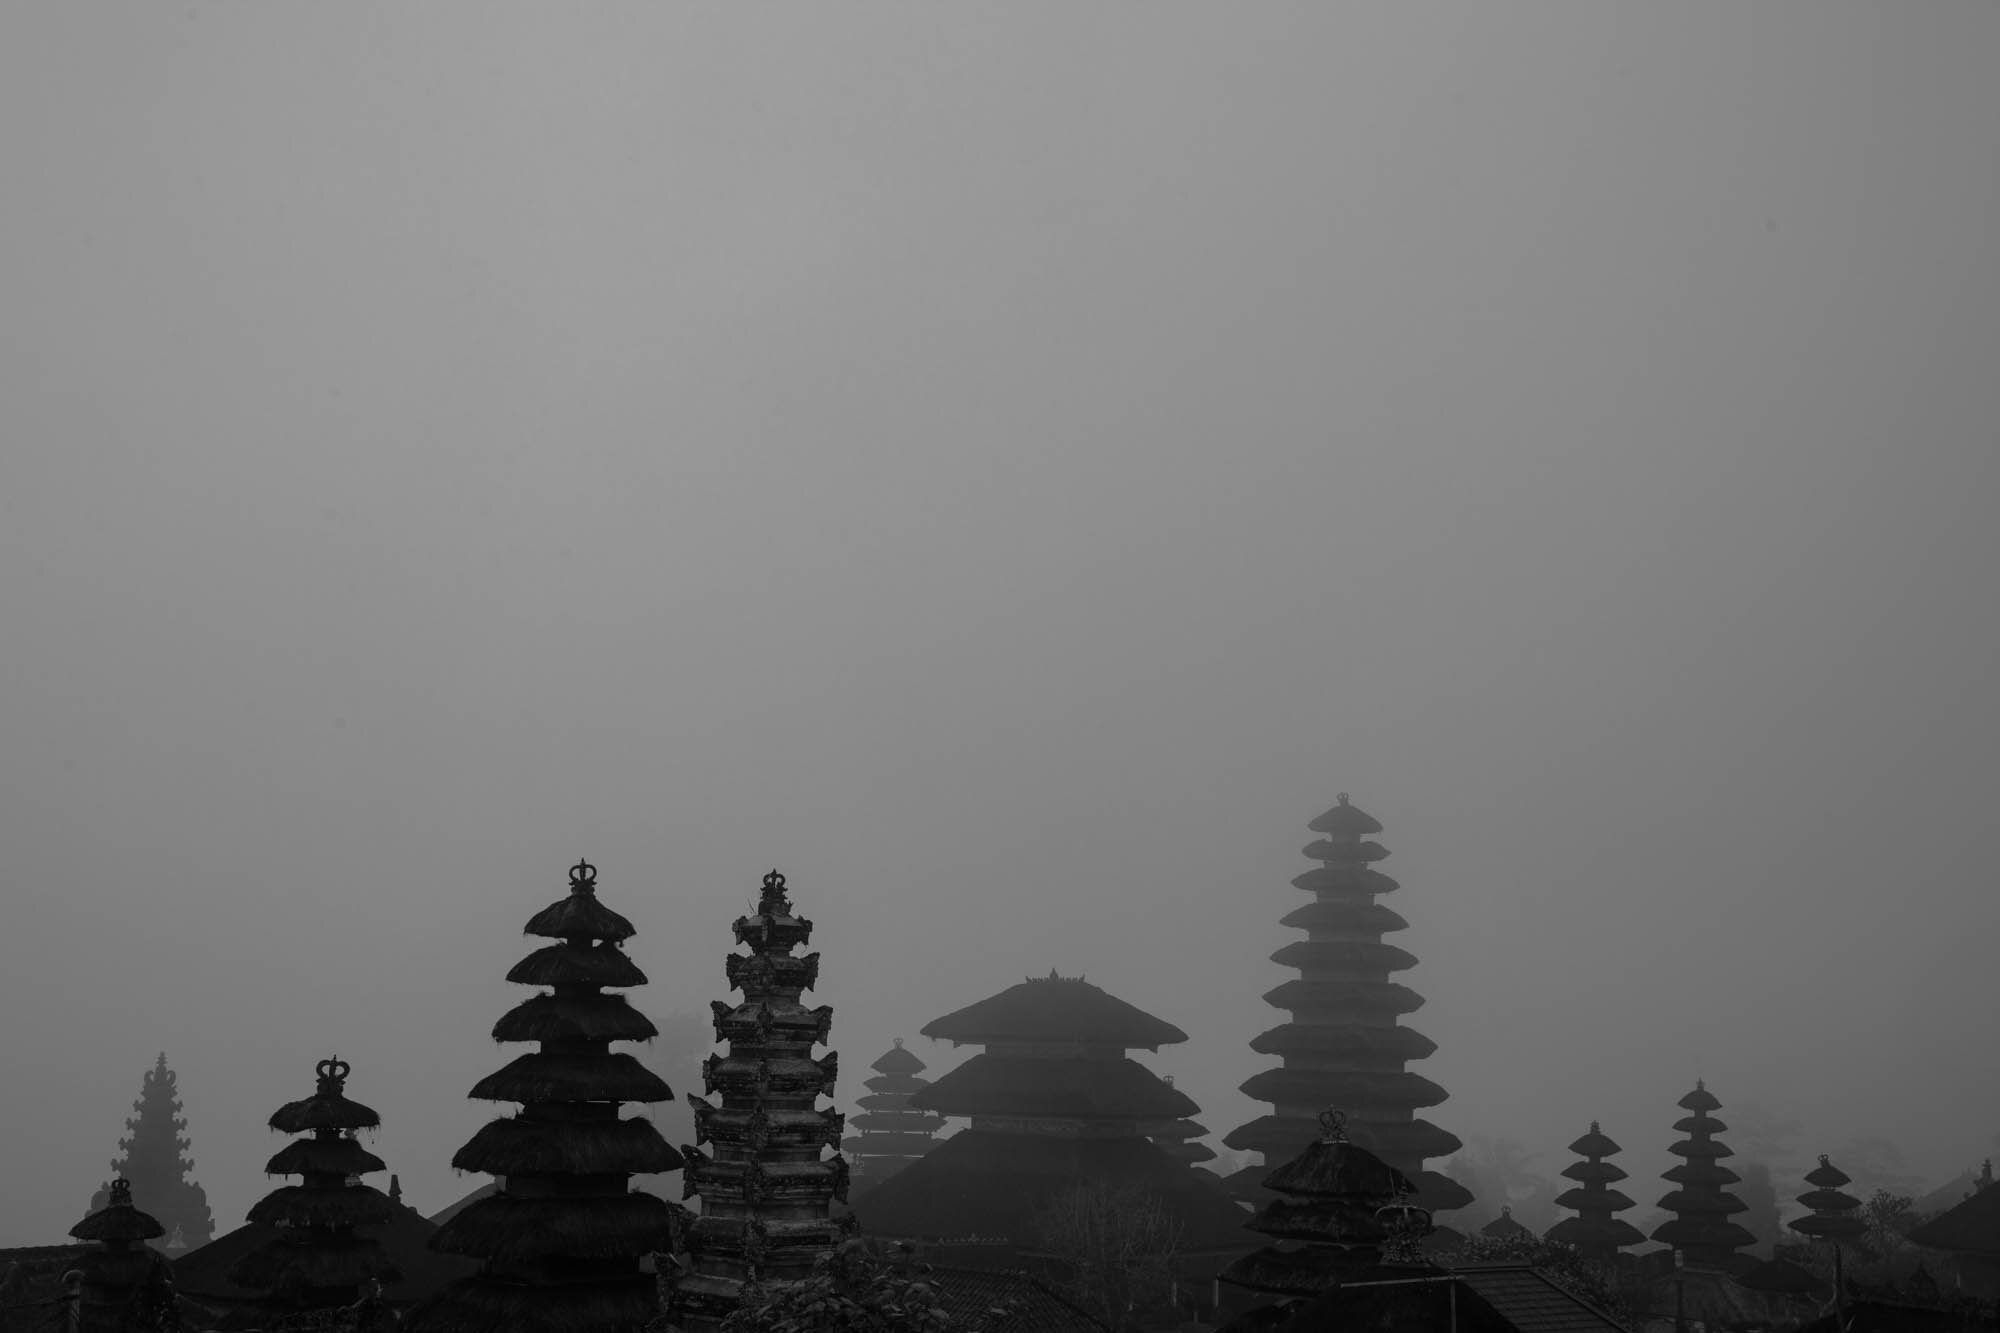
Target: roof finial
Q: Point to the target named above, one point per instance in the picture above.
(582, 877)
(774, 881)
(1332, 1126)
(332, 1075)
(1342, 798)
(899, 1043)
(121, 1193)
(1594, 1129)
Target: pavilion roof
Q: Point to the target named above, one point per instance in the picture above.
(1973, 1227)
(1055, 1008)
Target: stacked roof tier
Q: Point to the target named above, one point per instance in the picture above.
(1054, 1104)
(1596, 1232)
(319, 1258)
(1344, 1045)
(121, 1264)
(767, 1188)
(560, 1241)
(1180, 1139)
(152, 1160)
(1336, 1207)
(893, 1133)
(1505, 1227)
(1702, 1205)
(1835, 1213)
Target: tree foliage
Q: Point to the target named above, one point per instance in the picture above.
(851, 1290)
(1117, 1247)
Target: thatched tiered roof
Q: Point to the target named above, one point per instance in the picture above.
(893, 1133)
(560, 1242)
(120, 1264)
(767, 1191)
(1702, 1204)
(1595, 1230)
(1344, 1045)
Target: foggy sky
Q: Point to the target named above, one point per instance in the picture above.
(1008, 466)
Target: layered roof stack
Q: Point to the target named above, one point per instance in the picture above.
(1701, 1203)
(561, 1240)
(767, 1192)
(893, 1133)
(1836, 1215)
(1181, 1139)
(121, 1267)
(1505, 1227)
(1054, 1103)
(151, 1161)
(1337, 1207)
(1596, 1232)
(318, 1257)
(1344, 1045)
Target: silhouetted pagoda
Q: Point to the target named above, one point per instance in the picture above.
(893, 1133)
(318, 1258)
(151, 1162)
(560, 1241)
(766, 1194)
(1055, 1103)
(1344, 1045)
(1595, 1232)
(1180, 1139)
(1506, 1226)
(1337, 1207)
(1702, 1205)
(121, 1268)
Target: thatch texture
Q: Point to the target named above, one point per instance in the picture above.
(1278, 1136)
(344, 1262)
(579, 917)
(489, 1305)
(1338, 1169)
(1291, 1086)
(118, 1222)
(1349, 1041)
(516, 1146)
(510, 1230)
(306, 1205)
(1000, 1085)
(577, 965)
(542, 1077)
(1055, 1009)
(558, 1017)
(1313, 995)
(342, 1155)
(323, 1110)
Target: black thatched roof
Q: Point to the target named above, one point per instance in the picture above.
(1596, 1144)
(580, 916)
(1352, 1041)
(1585, 1232)
(1349, 955)
(1314, 994)
(488, 1305)
(1347, 914)
(404, 1238)
(345, 1261)
(118, 1221)
(517, 1230)
(1701, 1099)
(991, 1184)
(306, 1205)
(516, 1146)
(1347, 881)
(1291, 1086)
(540, 1076)
(1973, 1227)
(1346, 821)
(1588, 1172)
(577, 965)
(1090, 1089)
(898, 1060)
(1339, 1169)
(340, 1154)
(1055, 1009)
(323, 1110)
(1276, 1135)
(556, 1017)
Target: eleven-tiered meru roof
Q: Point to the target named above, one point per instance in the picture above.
(1344, 1045)
(1701, 1202)
(1595, 1231)
(767, 1192)
(318, 1258)
(561, 1240)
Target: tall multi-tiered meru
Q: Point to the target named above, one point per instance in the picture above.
(766, 1194)
(1344, 1046)
(1701, 1203)
(561, 1240)
(151, 1162)
(893, 1133)
(319, 1258)
(1596, 1232)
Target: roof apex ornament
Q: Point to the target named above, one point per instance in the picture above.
(582, 877)
(333, 1075)
(121, 1193)
(1332, 1126)
(1342, 798)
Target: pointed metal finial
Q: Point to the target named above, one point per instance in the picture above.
(1332, 1126)
(582, 877)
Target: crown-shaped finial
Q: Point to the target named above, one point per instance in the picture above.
(775, 882)
(332, 1075)
(1332, 1126)
(1823, 1161)
(899, 1043)
(582, 877)
(121, 1193)
(1342, 798)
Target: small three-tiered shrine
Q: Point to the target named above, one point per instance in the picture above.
(1596, 1231)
